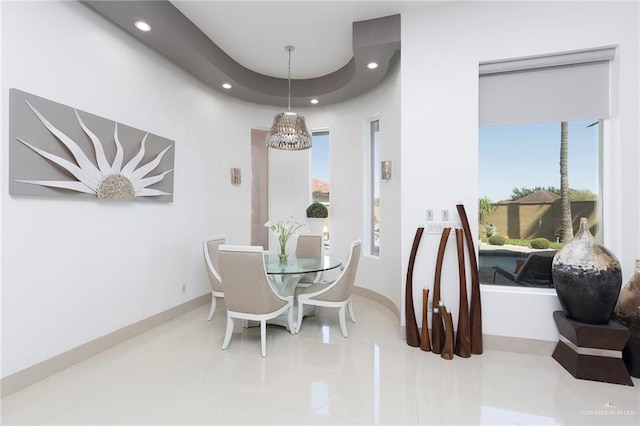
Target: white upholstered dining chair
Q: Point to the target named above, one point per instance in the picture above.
(336, 294)
(309, 245)
(248, 292)
(210, 249)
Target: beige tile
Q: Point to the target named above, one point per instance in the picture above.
(298, 387)
(123, 402)
(562, 411)
(255, 413)
(194, 407)
(372, 399)
(232, 374)
(10, 421)
(44, 399)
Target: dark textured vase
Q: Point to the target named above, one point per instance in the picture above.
(587, 277)
(627, 312)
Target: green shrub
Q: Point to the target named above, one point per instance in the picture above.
(317, 210)
(497, 240)
(540, 243)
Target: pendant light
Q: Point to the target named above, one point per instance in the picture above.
(289, 131)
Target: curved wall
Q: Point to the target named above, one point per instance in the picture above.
(348, 124)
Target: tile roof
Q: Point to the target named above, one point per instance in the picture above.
(320, 185)
(538, 197)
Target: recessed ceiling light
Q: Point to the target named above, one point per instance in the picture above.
(142, 26)
(314, 101)
(372, 65)
(226, 86)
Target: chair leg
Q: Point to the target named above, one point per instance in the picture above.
(263, 337)
(292, 328)
(351, 313)
(229, 332)
(213, 307)
(300, 310)
(343, 321)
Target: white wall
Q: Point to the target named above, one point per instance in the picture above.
(74, 270)
(441, 49)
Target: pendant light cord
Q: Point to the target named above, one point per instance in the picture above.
(289, 49)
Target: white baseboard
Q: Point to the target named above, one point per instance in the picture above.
(508, 344)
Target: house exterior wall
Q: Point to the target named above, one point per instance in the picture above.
(527, 221)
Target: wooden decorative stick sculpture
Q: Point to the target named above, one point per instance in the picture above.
(447, 348)
(413, 336)
(425, 345)
(475, 311)
(463, 342)
(437, 330)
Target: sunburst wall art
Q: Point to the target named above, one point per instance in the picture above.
(61, 151)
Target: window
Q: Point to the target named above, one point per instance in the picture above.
(540, 120)
(373, 199)
(320, 177)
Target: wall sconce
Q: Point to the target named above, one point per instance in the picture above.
(385, 170)
(236, 176)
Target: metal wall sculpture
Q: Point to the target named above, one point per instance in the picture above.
(61, 151)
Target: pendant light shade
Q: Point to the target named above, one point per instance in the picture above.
(289, 130)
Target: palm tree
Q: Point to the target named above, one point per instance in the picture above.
(566, 224)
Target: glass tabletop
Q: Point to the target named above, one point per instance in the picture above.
(299, 265)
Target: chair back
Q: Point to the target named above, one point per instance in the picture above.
(341, 288)
(246, 286)
(537, 268)
(309, 245)
(210, 247)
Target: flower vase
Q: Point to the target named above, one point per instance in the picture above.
(283, 252)
(627, 312)
(587, 277)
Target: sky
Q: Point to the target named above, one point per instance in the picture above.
(515, 156)
(320, 156)
(528, 155)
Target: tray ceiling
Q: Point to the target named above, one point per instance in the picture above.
(242, 43)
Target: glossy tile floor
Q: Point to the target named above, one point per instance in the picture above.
(177, 374)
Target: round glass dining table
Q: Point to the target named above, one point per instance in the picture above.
(286, 274)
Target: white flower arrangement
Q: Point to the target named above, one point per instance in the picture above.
(284, 229)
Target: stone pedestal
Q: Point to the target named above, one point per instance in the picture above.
(590, 351)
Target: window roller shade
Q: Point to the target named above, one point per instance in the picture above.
(562, 87)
